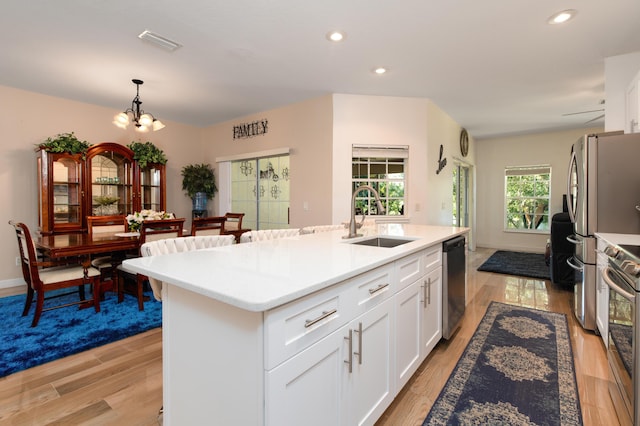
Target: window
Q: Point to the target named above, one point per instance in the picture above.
(527, 194)
(383, 168)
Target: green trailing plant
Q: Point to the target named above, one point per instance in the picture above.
(65, 142)
(198, 178)
(147, 153)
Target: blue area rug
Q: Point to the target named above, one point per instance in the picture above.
(66, 331)
(516, 370)
(530, 265)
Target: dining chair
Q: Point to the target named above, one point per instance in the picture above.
(268, 234)
(212, 225)
(234, 221)
(103, 225)
(44, 276)
(150, 230)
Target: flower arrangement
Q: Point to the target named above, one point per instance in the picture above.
(135, 220)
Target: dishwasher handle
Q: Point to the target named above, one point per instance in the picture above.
(453, 243)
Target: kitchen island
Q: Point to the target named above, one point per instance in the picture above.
(312, 329)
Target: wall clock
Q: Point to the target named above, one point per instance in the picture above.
(464, 142)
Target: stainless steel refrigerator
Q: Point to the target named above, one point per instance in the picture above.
(603, 184)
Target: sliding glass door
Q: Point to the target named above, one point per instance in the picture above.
(260, 190)
(461, 195)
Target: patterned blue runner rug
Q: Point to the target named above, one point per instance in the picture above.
(66, 331)
(516, 370)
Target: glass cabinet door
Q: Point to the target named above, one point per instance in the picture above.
(67, 191)
(61, 191)
(152, 187)
(110, 180)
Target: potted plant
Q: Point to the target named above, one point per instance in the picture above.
(147, 153)
(199, 184)
(65, 142)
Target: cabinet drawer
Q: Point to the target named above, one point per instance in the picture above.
(372, 287)
(409, 269)
(432, 258)
(293, 327)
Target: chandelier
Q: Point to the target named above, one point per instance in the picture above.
(142, 120)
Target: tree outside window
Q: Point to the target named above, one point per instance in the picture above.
(527, 197)
(386, 175)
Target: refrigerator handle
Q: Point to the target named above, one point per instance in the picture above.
(573, 240)
(572, 215)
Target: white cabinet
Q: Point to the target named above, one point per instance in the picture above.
(345, 378)
(602, 295)
(431, 322)
(370, 386)
(632, 106)
(308, 388)
(409, 313)
(418, 312)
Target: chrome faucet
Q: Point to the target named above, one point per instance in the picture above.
(352, 222)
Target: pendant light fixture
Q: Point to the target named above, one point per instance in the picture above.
(142, 120)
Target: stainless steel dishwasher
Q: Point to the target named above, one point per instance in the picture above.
(453, 284)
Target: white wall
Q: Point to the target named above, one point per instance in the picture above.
(493, 155)
(385, 120)
(618, 72)
(305, 128)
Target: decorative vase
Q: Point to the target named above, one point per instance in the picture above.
(199, 201)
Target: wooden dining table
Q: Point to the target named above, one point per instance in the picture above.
(84, 246)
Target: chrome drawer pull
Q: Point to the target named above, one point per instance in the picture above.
(350, 360)
(429, 292)
(377, 289)
(325, 314)
(359, 331)
(424, 294)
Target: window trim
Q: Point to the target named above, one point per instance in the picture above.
(387, 152)
(523, 171)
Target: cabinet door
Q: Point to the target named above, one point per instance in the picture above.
(371, 387)
(308, 388)
(408, 319)
(60, 178)
(432, 311)
(602, 295)
(152, 187)
(110, 180)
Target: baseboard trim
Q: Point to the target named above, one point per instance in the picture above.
(512, 248)
(15, 282)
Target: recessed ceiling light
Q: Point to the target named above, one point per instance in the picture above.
(159, 40)
(562, 17)
(336, 36)
(380, 70)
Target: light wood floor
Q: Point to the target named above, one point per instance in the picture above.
(121, 383)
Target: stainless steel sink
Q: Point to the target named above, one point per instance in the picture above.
(382, 242)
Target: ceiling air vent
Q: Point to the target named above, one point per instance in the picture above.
(158, 40)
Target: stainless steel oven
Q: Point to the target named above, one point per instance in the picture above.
(622, 277)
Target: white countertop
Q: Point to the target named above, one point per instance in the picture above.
(262, 275)
(630, 239)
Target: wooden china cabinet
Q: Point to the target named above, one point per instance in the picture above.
(108, 181)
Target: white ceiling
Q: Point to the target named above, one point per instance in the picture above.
(495, 66)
